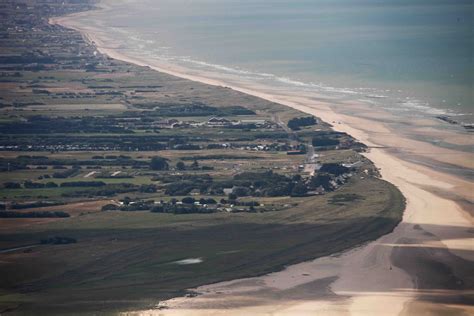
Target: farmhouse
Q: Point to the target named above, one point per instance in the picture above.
(218, 122)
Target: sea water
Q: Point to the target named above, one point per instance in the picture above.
(407, 55)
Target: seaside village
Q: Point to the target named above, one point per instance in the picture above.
(78, 125)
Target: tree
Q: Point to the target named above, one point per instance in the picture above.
(180, 165)
(296, 178)
(126, 200)
(203, 201)
(158, 209)
(159, 163)
(188, 200)
(109, 207)
(323, 180)
(324, 141)
(241, 191)
(299, 189)
(297, 122)
(334, 168)
(12, 185)
(195, 164)
(147, 188)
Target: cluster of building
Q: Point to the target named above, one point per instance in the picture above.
(214, 122)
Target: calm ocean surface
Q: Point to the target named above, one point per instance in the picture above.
(408, 55)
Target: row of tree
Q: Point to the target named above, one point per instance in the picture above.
(298, 122)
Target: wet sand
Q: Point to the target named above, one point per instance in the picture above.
(422, 266)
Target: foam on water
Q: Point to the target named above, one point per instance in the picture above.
(376, 96)
(189, 261)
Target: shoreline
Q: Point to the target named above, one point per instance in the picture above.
(368, 274)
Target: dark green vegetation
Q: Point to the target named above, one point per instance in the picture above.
(110, 173)
(9, 214)
(298, 122)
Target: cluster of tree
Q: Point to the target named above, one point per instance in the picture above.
(180, 165)
(261, 184)
(110, 207)
(334, 168)
(67, 173)
(248, 126)
(187, 206)
(159, 163)
(150, 204)
(77, 143)
(39, 185)
(259, 135)
(76, 184)
(186, 147)
(259, 146)
(181, 209)
(202, 201)
(12, 165)
(328, 175)
(332, 138)
(46, 214)
(244, 184)
(324, 141)
(233, 200)
(192, 109)
(188, 184)
(170, 178)
(321, 180)
(147, 188)
(22, 206)
(221, 157)
(48, 125)
(137, 206)
(184, 187)
(23, 161)
(27, 58)
(110, 190)
(298, 122)
(179, 110)
(123, 142)
(11, 185)
(236, 110)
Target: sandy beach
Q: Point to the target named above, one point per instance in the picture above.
(423, 266)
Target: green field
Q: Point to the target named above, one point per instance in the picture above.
(126, 259)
